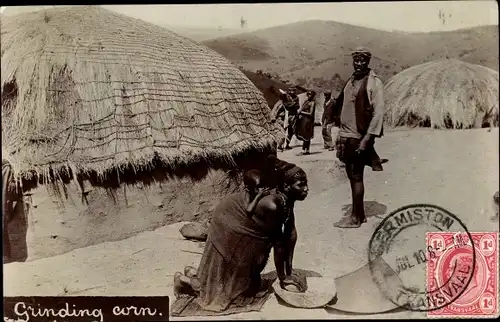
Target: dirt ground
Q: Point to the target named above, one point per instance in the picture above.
(457, 170)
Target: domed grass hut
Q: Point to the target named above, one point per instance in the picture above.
(92, 96)
(443, 94)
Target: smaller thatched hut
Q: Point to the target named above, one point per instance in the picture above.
(443, 94)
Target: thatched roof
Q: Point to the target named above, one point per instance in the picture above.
(86, 91)
(443, 94)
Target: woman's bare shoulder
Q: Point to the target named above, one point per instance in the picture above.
(270, 202)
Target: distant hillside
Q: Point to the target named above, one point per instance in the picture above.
(201, 34)
(312, 52)
(269, 86)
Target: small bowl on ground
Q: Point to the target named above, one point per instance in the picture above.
(320, 292)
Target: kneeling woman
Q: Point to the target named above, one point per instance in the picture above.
(238, 245)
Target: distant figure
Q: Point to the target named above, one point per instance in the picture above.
(496, 201)
(278, 114)
(327, 123)
(361, 109)
(238, 246)
(278, 111)
(292, 106)
(304, 129)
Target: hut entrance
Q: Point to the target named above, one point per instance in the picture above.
(15, 219)
(9, 96)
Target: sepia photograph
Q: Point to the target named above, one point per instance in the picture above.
(249, 161)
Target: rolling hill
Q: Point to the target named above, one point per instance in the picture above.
(201, 34)
(269, 86)
(317, 53)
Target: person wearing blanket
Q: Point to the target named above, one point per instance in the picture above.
(239, 244)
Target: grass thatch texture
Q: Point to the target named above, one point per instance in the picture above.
(443, 94)
(88, 92)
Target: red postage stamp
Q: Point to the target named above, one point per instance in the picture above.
(455, 253)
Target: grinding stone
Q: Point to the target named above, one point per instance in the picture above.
(320, 292)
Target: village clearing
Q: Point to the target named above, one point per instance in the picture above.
(454, 169)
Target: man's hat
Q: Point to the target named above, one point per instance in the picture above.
(361, 51)
(327, 92)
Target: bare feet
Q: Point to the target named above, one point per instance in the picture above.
(183, 286)
(178, 285)
(350, 215)
(348, 222)
(190, 271)
(263, 290)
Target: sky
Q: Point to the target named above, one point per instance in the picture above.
(419, 16)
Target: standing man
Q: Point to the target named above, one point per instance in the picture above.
(361, 109)
(327, 122)
(496, 200)
(278, 114)
(292, 106)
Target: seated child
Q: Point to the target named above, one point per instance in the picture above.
(253, 181)
(257, 186)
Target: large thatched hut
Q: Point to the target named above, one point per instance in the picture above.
(443, 94)
(91, 93)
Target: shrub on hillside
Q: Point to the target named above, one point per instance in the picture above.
(301, 81)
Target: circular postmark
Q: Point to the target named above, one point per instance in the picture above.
(399, 253)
